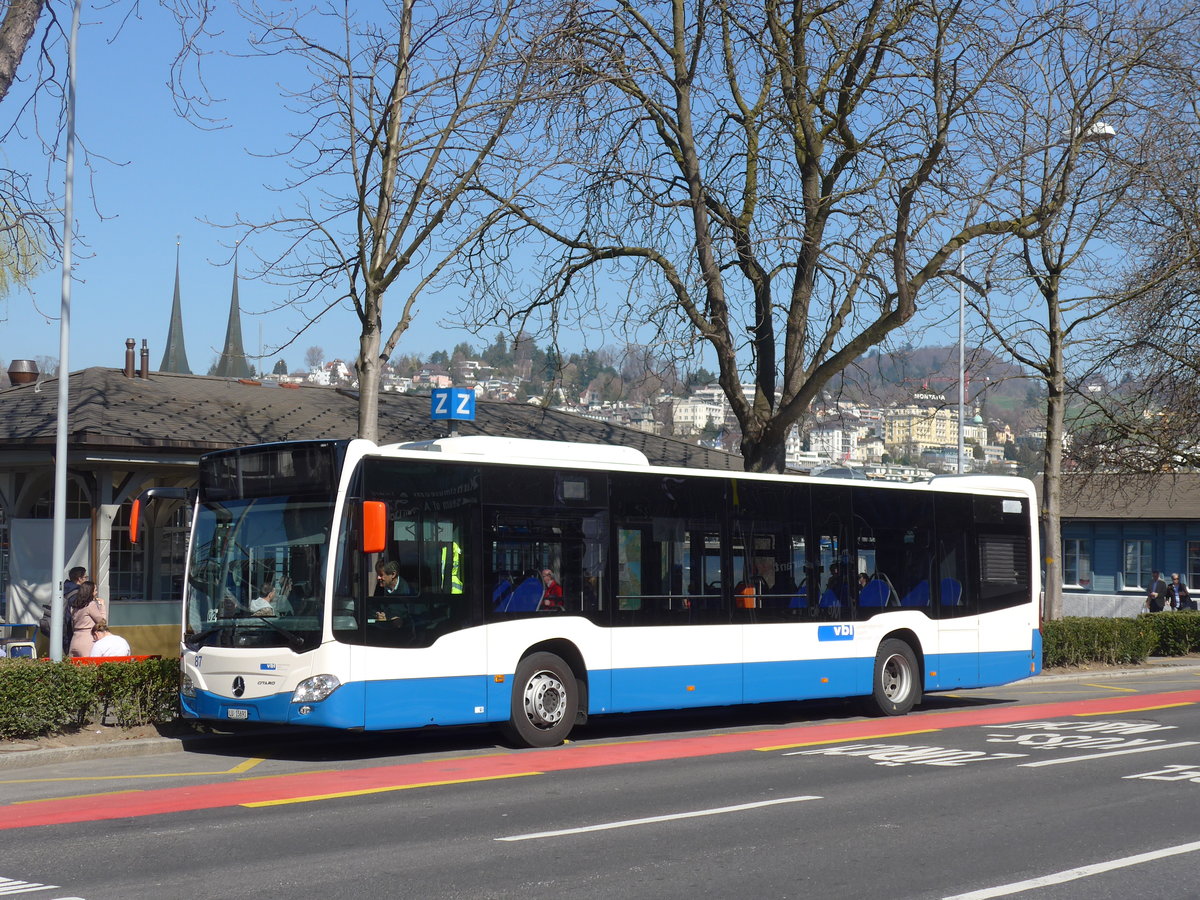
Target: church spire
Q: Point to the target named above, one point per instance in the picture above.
(233, 358)
(175, 356)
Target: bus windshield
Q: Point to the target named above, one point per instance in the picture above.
(256, 573)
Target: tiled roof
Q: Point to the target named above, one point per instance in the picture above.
(1157, 496)
(188, 414)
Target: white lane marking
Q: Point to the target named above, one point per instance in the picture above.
(1017, 887)
(629, 823)
(1071, 759)
(11, 886)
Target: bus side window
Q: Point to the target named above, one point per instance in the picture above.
(543, 561)
(955, 530)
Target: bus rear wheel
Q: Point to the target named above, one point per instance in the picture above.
(545, 701)
(897, 680)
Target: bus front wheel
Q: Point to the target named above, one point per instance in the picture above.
(545, 701)
(897, 680)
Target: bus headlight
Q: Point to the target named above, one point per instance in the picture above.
(315, 689)
(186, 686)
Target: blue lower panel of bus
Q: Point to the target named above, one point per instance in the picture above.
(341, 709)
(947, 671)
(1001, 668)
(807, 678)
(408, 703)
(415, 702)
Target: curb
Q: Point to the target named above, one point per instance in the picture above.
(1154, 665)
(18, 758)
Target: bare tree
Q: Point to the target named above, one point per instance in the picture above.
(1089, 260)
(405, 115)
(1143, 412)
(33, 91)
(16, 31)
(781, 181)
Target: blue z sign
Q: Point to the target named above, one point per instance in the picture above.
(452, 403)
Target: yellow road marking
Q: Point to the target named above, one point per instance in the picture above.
(74, 797)
(383, 790)
(290, 774)
(861, 737)
(244, 766)
(1109, 687)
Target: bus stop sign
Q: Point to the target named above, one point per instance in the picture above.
(452, 403)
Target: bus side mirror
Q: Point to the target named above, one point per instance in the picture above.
(148, 496)
(135, 518)
(374, 526)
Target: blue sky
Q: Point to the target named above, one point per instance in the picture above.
(154, 177)
(160, 177)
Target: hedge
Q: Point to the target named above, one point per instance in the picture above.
(39, 697)
(1077, 641)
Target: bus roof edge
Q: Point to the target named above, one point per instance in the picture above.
(526, 449)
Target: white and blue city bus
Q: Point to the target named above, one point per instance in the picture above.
(532, 584)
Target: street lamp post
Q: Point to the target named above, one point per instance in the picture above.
(962, 362)
(58, 540)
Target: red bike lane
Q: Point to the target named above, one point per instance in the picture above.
(318, 786)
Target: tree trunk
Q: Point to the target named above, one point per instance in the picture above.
(15, 31)
(369, 368)
(762, 454)
(1052, 485)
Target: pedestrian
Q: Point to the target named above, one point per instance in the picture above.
(86, 610)
(1177, 592)
(1156, 593)
(107, 643)
(76, 576)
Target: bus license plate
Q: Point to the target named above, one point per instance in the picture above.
(237, 713)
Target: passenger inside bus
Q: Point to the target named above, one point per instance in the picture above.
(552, 592)
(834, 597)
(271, 601)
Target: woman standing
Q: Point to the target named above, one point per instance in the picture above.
(86, 611)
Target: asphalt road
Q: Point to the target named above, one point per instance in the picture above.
(1082, 788)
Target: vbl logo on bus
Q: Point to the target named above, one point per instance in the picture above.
(835, 633)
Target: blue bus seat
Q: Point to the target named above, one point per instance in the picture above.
(918, 596)
(951, 592)
(800, 600)
(502, 589)
(525, 597)
(875, 593)
(829, 599)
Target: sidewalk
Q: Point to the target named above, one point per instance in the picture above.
(28, 754)
(109, 743)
